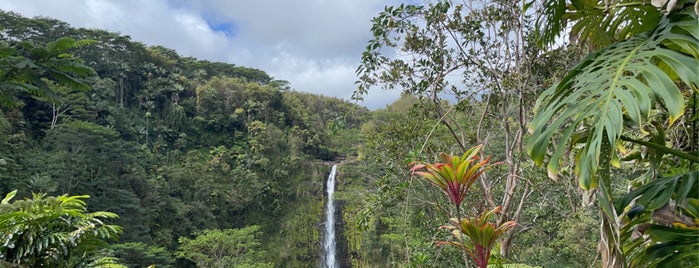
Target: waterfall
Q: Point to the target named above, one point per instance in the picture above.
(329, 244)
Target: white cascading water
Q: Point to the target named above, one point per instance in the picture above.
(329, 236)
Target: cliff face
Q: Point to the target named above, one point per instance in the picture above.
(343, 257)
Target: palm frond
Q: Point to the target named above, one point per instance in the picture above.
(551, 23)
(595, 22)
(45, 231)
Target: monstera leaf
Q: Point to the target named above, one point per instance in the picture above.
(654, 195)
(612, 88)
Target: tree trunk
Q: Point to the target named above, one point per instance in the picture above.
(608, 245)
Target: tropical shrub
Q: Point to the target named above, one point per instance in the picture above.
(454, 177)
(224, 248)
(48, 231)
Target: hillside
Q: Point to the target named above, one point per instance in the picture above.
(173, 145)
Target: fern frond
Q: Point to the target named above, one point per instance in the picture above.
(65, 43)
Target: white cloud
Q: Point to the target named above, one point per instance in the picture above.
(314, 44)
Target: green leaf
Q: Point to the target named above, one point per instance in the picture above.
(659, 233)
(550, 25)
(9, 197)
(622, 79)
(656, 194)
(65, 43)
(7, 51)
(593, 22)
(669, 254)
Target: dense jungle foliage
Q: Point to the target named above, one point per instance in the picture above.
(583, 151)
(176, 147)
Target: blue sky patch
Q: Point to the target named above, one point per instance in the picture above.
(226, 27)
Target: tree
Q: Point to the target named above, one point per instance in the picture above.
(396, 218)
(40, 29)
(139, 254)
(219, 104)
(621, 98)
(224, 248)
(478, 54)
(47, 231)
(118, 58)
(84, 157)
(24, 67)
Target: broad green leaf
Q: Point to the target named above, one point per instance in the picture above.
(65, 43)
(622, 79)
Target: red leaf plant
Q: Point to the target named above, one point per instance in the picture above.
(481, 235)
(456, 175)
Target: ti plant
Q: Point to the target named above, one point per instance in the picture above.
(477, 236)
(454, 177)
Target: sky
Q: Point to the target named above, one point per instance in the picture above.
(316, 45)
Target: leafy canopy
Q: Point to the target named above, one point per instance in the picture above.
(26, 67)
